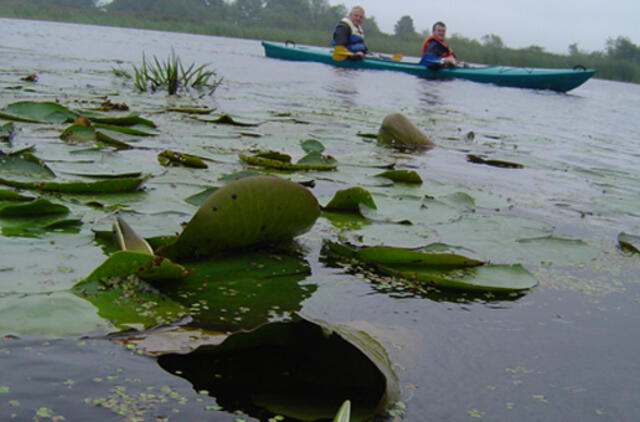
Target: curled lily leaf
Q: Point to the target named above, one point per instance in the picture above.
(128, 240)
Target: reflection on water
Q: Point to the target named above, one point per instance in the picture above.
(343, 86)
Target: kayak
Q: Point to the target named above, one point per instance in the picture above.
(561, 80)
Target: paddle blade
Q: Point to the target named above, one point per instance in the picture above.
(341, 52)
(397, 57)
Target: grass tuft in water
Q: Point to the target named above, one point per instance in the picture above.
(154, 75)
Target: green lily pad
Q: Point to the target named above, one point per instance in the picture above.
(78, 133)
(404, 176)
(198, 198)
(24, 164)
(245, 212)
(9, 195)
(438, 269)
(37, 112)
(124, 184)
(191, 110)
(243, 290)
(34, 227)
(138, 129)
(226, 119)
(350, 200)
(312, 145)
(7, 131)
(129, 302)
(128, 240)
(172, 158)
(37, 207)
(129, 119)
(629, 241)
(496, 163)
(312, 161)
(123, 264)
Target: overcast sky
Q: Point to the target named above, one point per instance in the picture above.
(552, 24)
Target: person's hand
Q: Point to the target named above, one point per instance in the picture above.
(360, 54)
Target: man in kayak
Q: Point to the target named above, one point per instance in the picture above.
(435, 51)
(350, 34)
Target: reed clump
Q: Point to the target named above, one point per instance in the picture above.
(171, 75)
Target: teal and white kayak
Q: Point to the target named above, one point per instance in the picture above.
(561, 80)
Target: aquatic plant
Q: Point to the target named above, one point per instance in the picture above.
(172, 75)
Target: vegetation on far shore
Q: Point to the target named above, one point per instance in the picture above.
(310, 22)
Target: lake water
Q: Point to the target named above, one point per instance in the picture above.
(566, 351)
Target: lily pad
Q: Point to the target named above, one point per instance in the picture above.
(350, 200)
(312, 161)
(7, 131)
(130, 302)
(246, 212)
(124, 184)
(226, 119)
(404, 176)
(438, 269)
(312, 366)
(129, 119)
(38, 112)
(24, 164)
(491, 162)
(37, 207)
(312, 145)
(629, 241)
(173, 158)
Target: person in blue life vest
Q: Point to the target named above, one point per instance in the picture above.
(349, 33)
(435, 51)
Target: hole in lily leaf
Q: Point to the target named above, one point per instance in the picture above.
(496, 163)
(297, 369)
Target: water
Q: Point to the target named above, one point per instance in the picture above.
(566, 351)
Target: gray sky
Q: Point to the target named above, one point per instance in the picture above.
(552, 24)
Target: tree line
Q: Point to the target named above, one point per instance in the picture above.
(311, 22)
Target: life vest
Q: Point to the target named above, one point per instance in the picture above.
(447, 53)
(355, 42)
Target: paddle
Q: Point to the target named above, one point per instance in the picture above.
(341, 52)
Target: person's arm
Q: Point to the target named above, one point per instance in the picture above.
(341, 34)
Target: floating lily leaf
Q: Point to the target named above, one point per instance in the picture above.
(33, 228)
(226, 119)
(198, 198)
(439, 269)
(312, 366)
(398, 131)
(24, 164)
(173, 158)
(9, 195)
(315, 158)
(139, 129)
(7, 131)
(129, 302)
(82, 133)
(40, 206)
(135, 174)
(38, 112)
(123, 264)
(191, 110)
(367, 135)
(251, 134)
(109, 242)
(131, 119)
(405, 176)
(278, 162)
(128, 240)
(245, 212)
(125, 184)
(629, 241)
(243, 290)
(350, 200)
(239, 175)
(496, 163)
(312, 145)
